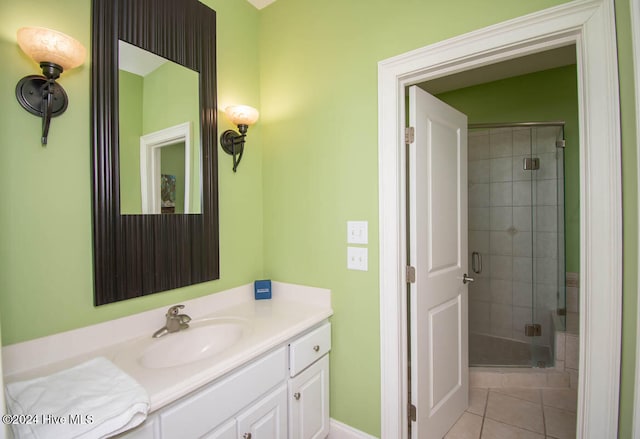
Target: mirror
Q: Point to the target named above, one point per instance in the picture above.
(137, 254)
(154, 95)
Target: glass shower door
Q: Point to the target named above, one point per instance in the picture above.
(547, 188)
(516, 244)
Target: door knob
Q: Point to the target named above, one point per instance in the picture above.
(467, 279)
(296, 395)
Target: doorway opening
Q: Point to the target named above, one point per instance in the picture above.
(588, 25)
(520, 113)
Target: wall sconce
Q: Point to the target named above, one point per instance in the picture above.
(232, 142)
(56, 52)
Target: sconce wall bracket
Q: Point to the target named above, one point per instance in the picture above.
(42, 96)
(233, 143)
(30, 93)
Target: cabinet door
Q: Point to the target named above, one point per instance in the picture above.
(225, 431)
(266, 419)
(309, 402)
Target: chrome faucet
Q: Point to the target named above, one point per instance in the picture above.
(175, 322)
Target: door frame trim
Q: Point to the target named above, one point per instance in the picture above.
(590, 25)
(634, 9)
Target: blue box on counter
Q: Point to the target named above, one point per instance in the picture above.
(262, 289)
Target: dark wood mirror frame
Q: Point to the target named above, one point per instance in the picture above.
(136, 255)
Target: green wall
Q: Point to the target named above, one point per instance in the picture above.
(311, 69)
(130, 107)
(542, 96)
(318, 84)
(629, 218)
(46, 274)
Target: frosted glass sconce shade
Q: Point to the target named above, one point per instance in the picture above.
(242, 114)
(55, 52)
(46, 45)
(232, 142)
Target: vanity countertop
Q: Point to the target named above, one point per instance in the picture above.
(267, 323)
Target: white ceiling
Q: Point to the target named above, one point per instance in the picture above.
(135, 60)
(562, 56)
(261, 3)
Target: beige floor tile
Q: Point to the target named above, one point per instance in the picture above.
(468, 426)
(477, 401)
(498, 430)
(558, 379)
(531, 395)
(514, 411)
(520, 379)
(482, 379)
(566, 399)
(560, 424)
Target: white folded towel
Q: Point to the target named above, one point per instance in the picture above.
(92, 400)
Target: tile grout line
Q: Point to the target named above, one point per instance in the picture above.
(519, 426)
(544, 420)
(484, 413)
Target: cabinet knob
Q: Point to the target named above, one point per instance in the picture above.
(247, 436)
(296, 395)
(316, 348)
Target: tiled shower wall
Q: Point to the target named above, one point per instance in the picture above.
(513, 224)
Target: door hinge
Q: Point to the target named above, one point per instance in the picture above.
(412, 413)
(411, 274)
(533, 330)
(409, 135)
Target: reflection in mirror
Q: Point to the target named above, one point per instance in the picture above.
(173, 191)
(165, 170)
(156, 97)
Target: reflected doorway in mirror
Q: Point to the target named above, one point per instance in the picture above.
(151, 164)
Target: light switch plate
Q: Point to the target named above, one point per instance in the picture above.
(357, 232)
(357, 258)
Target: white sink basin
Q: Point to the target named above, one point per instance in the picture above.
(203, 339)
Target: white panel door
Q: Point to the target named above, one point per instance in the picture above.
(227, 430)
(438, 251)
(267, 419)
(309, 402)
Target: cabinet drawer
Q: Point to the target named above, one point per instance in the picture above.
(208, 408)
(309, 348)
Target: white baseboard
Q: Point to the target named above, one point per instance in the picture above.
(343, 431)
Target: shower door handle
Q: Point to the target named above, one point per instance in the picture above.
(476, 262)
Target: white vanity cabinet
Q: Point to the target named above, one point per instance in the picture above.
(282, 394)
(308, 385)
